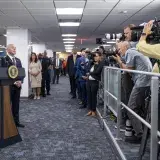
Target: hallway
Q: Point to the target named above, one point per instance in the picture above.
(55, 129)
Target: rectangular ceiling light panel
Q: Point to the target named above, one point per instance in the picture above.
(69, 42)
(69, 24)
(68, 45)
(69, 35)
(69, 39)
(69, 11)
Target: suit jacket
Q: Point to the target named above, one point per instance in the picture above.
(60, 63)
(71, 67)
(7, 62)
(96, 74)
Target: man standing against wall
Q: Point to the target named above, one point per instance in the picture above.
(10, 60)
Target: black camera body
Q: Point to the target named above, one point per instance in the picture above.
(153, 38)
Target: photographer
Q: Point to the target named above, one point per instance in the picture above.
(137, 61)
(150, 50)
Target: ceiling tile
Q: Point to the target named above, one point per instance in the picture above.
(96, 11)
(101, 5)
(42, 11)
(39, 4)
(89, 18)
(69, 30)
(10, 5)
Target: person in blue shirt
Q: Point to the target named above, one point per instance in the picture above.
(82, 69)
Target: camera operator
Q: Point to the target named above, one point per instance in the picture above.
(150, 50)
(137, 61)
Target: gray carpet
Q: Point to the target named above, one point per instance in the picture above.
(55, 129)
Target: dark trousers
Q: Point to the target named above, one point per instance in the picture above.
(137, 104)
(92, 89)
(127, 86)
(79, 89)
(56, 76)
(45, 82)
(84, 93)
(64, 71)
(73, 84)
(15, 98)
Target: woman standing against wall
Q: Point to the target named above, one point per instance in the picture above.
(35, 75)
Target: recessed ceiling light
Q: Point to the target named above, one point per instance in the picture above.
(68, 50)
(69, 45)
(69, 42)
(69, 35)
(69, 11)
(124, 12)
(69, 39)
(69, 24)
(5, 35)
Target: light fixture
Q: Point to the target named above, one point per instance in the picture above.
(69, 11)
(124, 12)
(69, 35)
(5, 35)
(69, 42)
(68, 50)
(111, 42)
(106, 45)
(69, 24)
(69, 45)
(69, 39)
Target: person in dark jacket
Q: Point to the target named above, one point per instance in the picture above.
(82, 70)
(94, 77)
(15, 89)
(46, 64)
(71, 70)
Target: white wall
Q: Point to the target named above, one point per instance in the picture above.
(21, 38)
(38, 48)
(49, 53)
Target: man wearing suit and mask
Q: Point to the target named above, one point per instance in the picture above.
(57, 68)
(10, 60)
(71, 69)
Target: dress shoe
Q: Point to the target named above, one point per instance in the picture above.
(43, 95)
(57, 82)
(89, 113)
(134, 139)
(20, 125)
(82, 107)
(74, 97)
(48, 94)
(70, 93)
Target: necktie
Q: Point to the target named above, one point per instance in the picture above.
(14, 61)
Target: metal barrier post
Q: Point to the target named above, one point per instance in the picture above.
(154, 118)
(118, 105)
(105, 93)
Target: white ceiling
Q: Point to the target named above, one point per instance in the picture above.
(99, 17)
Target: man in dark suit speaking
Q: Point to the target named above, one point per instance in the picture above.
(10, 60)
(71, 69)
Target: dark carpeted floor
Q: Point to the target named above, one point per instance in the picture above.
(55, 129)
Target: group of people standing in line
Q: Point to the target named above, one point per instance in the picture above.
(40, 69)
(84, 75)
